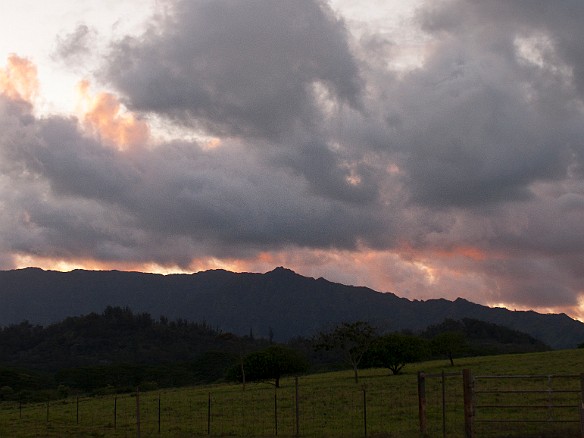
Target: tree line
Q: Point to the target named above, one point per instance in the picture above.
(118, 350)
(360, 345)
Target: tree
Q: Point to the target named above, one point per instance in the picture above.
(352, 338)
(6, 393)
(448, 343)
(396, 350)
(271, 363)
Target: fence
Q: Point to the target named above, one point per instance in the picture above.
(502, 405)
(310, 407)
(537, 405)
(440, 405)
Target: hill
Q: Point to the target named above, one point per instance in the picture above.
(119, 349)
(115, 336)
(279, 302)
(485, 338)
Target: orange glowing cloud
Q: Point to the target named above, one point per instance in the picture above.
(212, 143)
(104, 117)
(468, 252)
(19, 81)
(64, 265)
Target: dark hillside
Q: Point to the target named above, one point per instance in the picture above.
(116, 336)
(280, 301)
(487, 338)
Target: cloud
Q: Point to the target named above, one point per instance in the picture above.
(167, 204)
(237, 68)
(104, 117)
(487, 135)
(460, 175)
(18, 80)
(477, 124)
(75, 48)
(274, 75)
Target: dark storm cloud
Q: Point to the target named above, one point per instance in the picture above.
(475, 142)
(480, 124)
(490, 36)
(237, 68)
(258, 69)
(323, 169)
(532, 281)
(81, 197)
(560, 21)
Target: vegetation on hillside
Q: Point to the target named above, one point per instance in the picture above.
(119, 350)
(115, 336)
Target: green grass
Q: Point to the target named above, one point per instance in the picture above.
(330, 405)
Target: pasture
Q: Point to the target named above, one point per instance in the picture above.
(321, 405)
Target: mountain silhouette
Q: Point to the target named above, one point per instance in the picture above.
(279, 302)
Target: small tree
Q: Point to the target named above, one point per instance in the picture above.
(352, 338)
(396, 350)
(271, 363)
(448, 343)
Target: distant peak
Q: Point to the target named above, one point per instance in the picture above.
(280, 270)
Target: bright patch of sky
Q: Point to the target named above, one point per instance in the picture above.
(31, 29)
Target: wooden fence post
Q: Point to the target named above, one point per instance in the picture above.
(422, 403)
(209, 415)
(443, 380)
(365, 410)
(297, 408)
(468, 403)
(582, 405)
(276, 410)
(138, 412)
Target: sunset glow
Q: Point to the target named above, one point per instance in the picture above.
(18, 80)
(104, 117)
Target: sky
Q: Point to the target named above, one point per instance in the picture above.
(430, 148)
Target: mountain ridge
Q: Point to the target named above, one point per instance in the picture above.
(278, 301)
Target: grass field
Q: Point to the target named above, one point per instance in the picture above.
(329, 405)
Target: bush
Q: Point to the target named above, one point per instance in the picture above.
(396, 350)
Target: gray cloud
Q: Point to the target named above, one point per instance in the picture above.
(257, 69)
(488, 137)
(479, 124)
(237, 68)
(81, 197)
(498, 19)
(75, 47)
